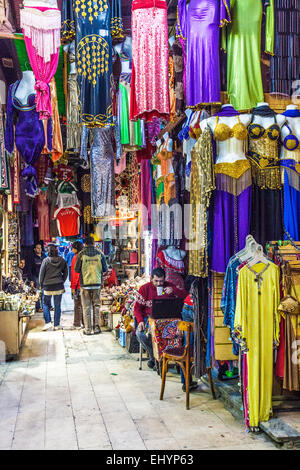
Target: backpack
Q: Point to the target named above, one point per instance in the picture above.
(91, 270)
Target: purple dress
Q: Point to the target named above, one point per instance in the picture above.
(29, 136)
(232, 197)
(199, 26)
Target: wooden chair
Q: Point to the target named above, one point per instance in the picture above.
(182, 356)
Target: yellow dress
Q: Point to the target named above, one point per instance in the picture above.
(257, 327)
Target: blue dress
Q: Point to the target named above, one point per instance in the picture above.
(29, 135)
(92, 25)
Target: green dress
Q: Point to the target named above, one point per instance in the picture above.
(244, 81)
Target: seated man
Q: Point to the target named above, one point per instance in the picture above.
(143, 306)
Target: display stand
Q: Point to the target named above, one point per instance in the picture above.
(12, 332)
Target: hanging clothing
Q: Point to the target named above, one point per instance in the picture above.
(266, 191)
(199, 26)
(29, 135)
(232, 197)
(199, 294)
(257, 328)
(244, 81)
(102, 169)
(174, 269)
(68, 221)
(41, 30)
(84, 195)
(57, 144)
(43, 216)
(290, 178)
(94, 31)
(202, 185)
(150, 54)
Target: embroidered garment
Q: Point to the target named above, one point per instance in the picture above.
(199, 27)
(174, 269)
(202, 185)
(28, 134)
(257, 328)
(41, 29)
(150, 54)
(167, 335)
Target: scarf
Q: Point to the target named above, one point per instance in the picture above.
(291, 113)
(264, 111)
(228, 111)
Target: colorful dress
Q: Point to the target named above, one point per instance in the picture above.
(257, 329)
(266, 214)
(244, 82)
(150, 54)
(174, 268)
(28, 134)
(290, 178)
(200, 27)
(94, 28)
(232, 197)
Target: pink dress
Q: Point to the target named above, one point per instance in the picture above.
(150, 55)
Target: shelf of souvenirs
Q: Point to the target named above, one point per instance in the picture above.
(24, 304)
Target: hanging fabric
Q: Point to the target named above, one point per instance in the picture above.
(41, 29)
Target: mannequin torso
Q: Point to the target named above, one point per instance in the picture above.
(268, 121)
(175, 253)
(292, 126)
(26, 87)
(232, 149)
(125, 52)
(70, 50)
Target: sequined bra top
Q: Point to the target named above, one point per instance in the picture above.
(264, 155)
(224, 132)
(291, 141)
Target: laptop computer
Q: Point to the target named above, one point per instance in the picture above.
(167, 308)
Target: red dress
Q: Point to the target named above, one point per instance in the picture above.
(150, 55)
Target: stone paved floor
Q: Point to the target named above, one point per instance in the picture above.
(69, 391)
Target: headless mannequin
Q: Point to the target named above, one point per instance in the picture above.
(41, 3)
(26, 87)
(294, 124)
(70, 50)
(224, 155)
(175, 253)
(268, 121)
(125, 47)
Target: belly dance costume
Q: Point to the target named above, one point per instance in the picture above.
(29, 135)
(266, 221)
(290, 178)
(232, 197)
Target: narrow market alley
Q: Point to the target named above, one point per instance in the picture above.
(70, 391)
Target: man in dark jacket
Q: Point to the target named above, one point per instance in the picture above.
(91, 265)
(53, 274)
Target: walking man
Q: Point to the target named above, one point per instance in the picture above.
(91, 265)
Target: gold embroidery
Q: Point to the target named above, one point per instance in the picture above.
(202, 185)
(92, 57)
(92, 6)
(268, 178)
(293, 177)
(263, 156)
(87, 215)
(235, 170)
(232, 185)
(86, 183)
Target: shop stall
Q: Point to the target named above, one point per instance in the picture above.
(172, 138)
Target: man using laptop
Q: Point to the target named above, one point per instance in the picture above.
(157, 288)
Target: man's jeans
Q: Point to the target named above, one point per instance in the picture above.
(90, 300)
(57, 308)
(146, 342)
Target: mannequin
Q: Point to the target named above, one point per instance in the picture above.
(231, 213)
(171, 260)
(290, 172)
(26, 87)
(226, 152)
(124, 50)
(264, 133)
(70, 49)
(175, 253)
(294, 124)
(268, 121)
